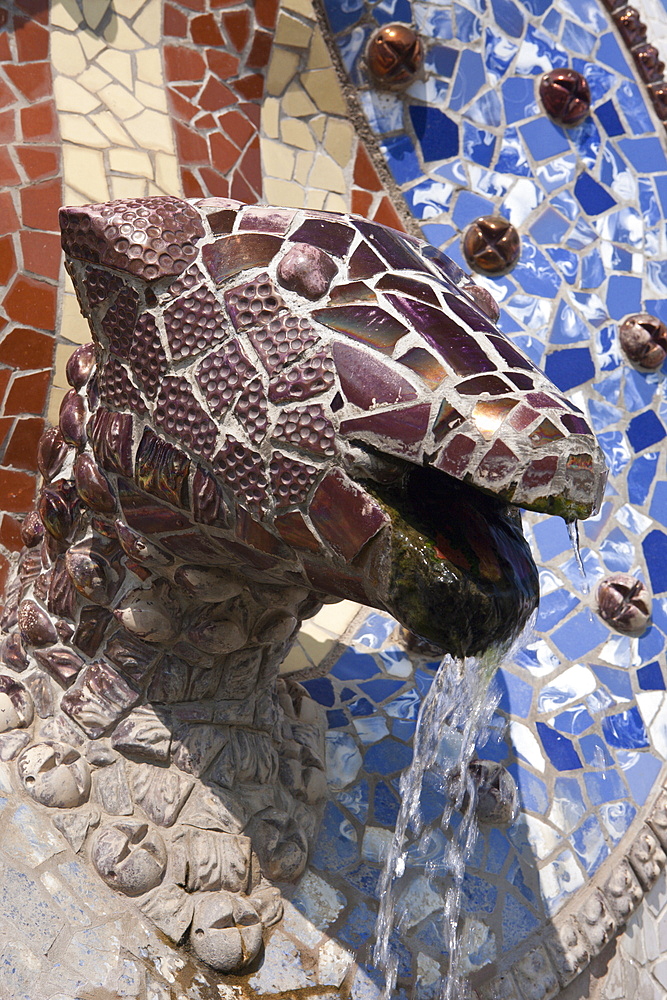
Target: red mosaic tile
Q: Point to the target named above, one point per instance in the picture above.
(7, 260)
(40, 204)
(21, 452)
(237, 28)
(37, 9)
(237, 127)
(23, 348)
(183, 63)
(250, 86)
(27, 394)
(17, 490)
(8, 173)
(361, 202)
(9, 220)
(7, 96)
(31, 302)
(365, 174)
(216, 185)
(5, 51)
(387, 215)
(32, 39)
(175, 22)
(32, 79)
(241, 190)
(224, 153)
(192, 147)
(204, 122)
(39, 162)
(5, 375)
(251, 166)
(204, 30)
(10, 533)
(266, 12)
(260, 52)
(191, 186)
(41, 253)
(223, 63)
(39, 122)
(196, 5)
(216, 96)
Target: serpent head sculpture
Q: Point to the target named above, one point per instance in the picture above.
(280, 407)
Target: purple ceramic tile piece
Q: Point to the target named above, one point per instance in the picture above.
(459, 349)
(93, 486)
(489, 414)
(111, 437)
(129, 235)
(304, 379)
(252, 409)
(185, 282)
(222, 221)
(395, 250)
(408, 286)
(366, 381)
(483, 383)
(130, 655)
(222, 374)
(62, 598)
(72, 419)
(447, 420)
(407, 426)
(251, 532)
(242, 470)
(100, 285)
(364, 263)
(162, 470)
(99, 698)
(510, 354)
(520, 380)
(354, 291)
(546, 432)
(541, 401)
(523, 416)
(61, 662)
(93, 621)
(208, 505)
(116, 389)
(454, 458)
(147, 357)
(337, 403)
(231, 254)
(422, 363)
(262, 219)
(334, 237)
(254, 302)
(52, 451)
(193, 322)
(293, 529)
(366, 323)
(306, 270)
(181, 416)
(306, 428)
(80, 365)
(291, 480)
(539, 473)
(470, 315)
(145, 514)
(575, 424)
(118, 321)
(281, 341)
(498, 464)
(344, 515)
(193, 546)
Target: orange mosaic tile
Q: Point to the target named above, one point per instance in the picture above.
(368, 197)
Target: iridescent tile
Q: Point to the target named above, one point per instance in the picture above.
(195, 547)
(576, 425)
(293, 529)
(580, 472)
(232, 254)
(251, 532)
(545, 433)
(354, 291)
(510, 354)
(447, 420)
(162, 469)
(522, 417)
(395, 250)
(366, 381)
(454, 459)
(265, 219)
(520, 380)
(369, 324)
(409, 286)
(473, 317)
(483, 383)
(540, 473)
(334, 237)
(498, 464)
(364, 263)
(541, 401)
(449, 268)
(145, 514)
(420, 361)
(408, 425)
(459, 349)
(111, 438)
(344, 514)
(488, 415)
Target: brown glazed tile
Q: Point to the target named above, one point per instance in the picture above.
(253, 112)
(8, 172)
(387, 215)
(251, 166)
(204, 30)
(41, 253)
(237, 28)
(31, 302)
(9, 221)
(260, 52)
(183, 63)
(192, 147)
(216, 184)
(224, 154)
(361, 202)
(216, 96)
(39, 122)
(223, 63)
(32, 79)
(175, 22)
(39, 162)
(21, 452)
(26, 349)
(266, 12)
(28, 394)
(250, 86)
(204, 122)
(40, 204)
(5, 427)
(5, 375)
(10, 533)
(17, 490)
(32, 40)
(7, 97)
(365, 174)
(182, 108)
(191, 186)
(7, 260)
(195, 5)
(7, 126)
(237, 127)
(241, 190)
(5, 51)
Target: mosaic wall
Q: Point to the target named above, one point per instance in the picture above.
(246, 100)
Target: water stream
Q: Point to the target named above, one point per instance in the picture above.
(454, 717)
(573, 532)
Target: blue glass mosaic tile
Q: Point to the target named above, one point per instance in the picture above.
(645, 430)
(558, 748)
(650, 677)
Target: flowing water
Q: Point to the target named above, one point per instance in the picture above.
(573, 532)
(454, 718)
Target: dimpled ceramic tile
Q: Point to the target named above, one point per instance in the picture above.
(582, 709)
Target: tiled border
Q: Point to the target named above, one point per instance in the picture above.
(30, 193)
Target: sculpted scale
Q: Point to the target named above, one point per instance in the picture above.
(279, 408)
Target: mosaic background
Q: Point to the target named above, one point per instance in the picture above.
(137, 97)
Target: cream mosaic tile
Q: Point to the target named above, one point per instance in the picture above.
(84, 171)
(323, 87)
(118, 64)
(120, 101)
(294, 132)
(151, 97)
(112, 128)
(68, 56)
(152, 130)
(70, 96)
(281, 70)
(149, 67)
(65, 14)
(292, 32)
(128, 187)
(79, 130)
(131, 161)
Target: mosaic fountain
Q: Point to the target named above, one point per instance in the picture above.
(267, 422)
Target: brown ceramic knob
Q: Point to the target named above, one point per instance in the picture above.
(649, 63)
(630, 25)
(658, 93)
(565, 96)
(394, 55)
(491, 245)
(624, 603)
(644, 340)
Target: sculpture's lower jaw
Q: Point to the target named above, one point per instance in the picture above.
(456, 568)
